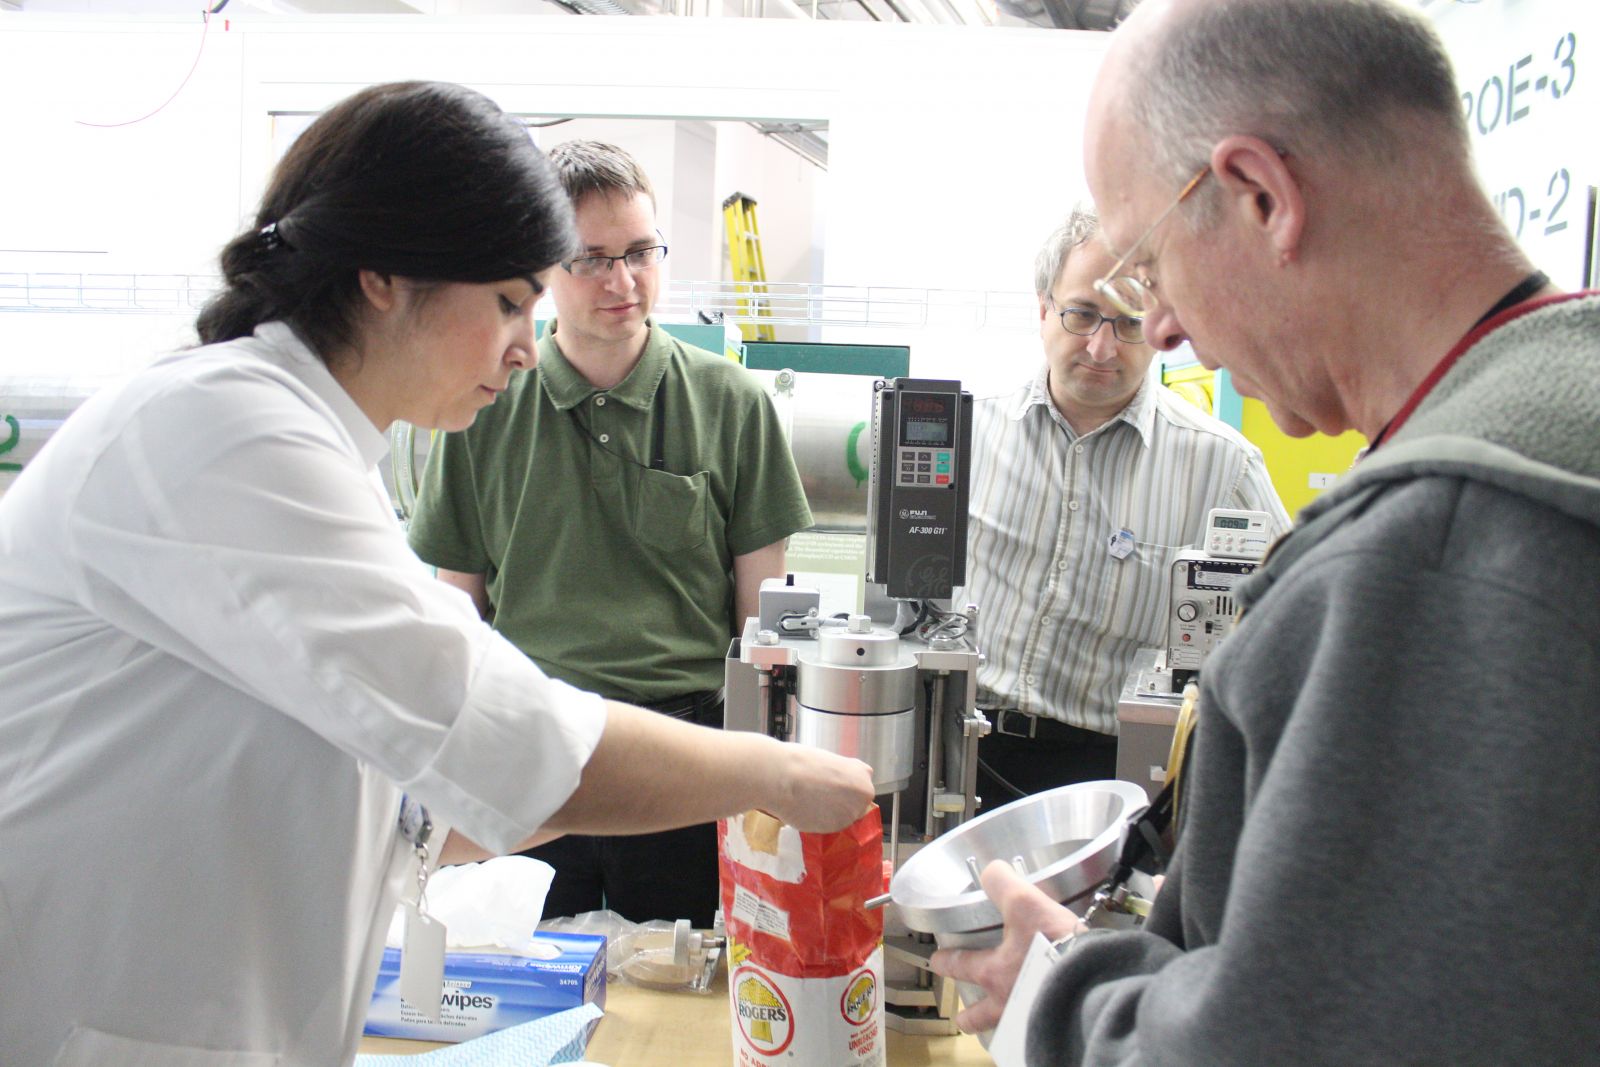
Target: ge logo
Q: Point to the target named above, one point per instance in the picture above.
(905, 513)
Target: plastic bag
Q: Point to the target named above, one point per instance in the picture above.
(655, 954)
(805, 956)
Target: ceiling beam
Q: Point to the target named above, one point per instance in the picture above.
(1062, 15)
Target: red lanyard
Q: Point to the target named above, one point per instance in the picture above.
(1513, 305)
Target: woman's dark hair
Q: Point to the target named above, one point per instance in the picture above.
(425, 180)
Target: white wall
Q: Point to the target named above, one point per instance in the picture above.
(694, 164)
(952, 151)
(789, 193)
(696, 225)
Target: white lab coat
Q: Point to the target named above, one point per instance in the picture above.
(220, 665)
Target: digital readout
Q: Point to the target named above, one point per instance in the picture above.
(927, 432)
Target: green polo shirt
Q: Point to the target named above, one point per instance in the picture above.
(610, 575)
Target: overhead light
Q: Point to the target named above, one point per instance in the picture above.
(808, 140)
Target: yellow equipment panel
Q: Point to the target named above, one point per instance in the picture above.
(1300, 467)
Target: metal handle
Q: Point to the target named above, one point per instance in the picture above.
(874, 903)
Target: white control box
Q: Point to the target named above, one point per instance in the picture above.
(1201, 606)
(1234, 534)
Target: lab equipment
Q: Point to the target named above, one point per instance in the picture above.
(1079, 844)
(1201, 606)
(655, 954)
(917, 525)
(898, 693)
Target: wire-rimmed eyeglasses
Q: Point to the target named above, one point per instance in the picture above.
(595, 266)
(1086, 322)
(1124, 292)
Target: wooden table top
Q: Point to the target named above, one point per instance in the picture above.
(649, 1028)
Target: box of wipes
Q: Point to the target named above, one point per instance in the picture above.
(485, 991)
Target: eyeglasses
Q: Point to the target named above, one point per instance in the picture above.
(1086, 322)
(595, 266)
(1125, 293)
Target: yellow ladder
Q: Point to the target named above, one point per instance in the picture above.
(748, 264)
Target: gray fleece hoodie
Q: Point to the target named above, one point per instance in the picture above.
(1388, 849)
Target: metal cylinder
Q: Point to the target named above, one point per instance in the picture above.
(857, 695)
(868, 647)
(32, 409)
(882, 742)
(828, 418)
(868, 689)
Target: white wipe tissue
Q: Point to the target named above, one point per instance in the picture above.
(493, 904)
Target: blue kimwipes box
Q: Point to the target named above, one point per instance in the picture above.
(488, 991)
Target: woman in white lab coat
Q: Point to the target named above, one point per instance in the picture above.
(222, 667)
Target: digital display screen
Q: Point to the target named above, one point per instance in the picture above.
(926, 419)
(1224, 522)
(927, 432)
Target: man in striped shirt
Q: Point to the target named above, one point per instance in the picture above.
(1087, 480)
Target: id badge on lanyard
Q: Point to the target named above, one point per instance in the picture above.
(422, 951)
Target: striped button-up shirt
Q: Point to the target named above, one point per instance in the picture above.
(1060, 614)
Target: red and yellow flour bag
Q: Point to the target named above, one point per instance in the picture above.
(805, 956)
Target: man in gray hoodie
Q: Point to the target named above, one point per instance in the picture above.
(1386, 848)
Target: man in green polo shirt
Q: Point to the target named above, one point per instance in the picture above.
(614, 514)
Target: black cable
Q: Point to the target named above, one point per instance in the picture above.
(658, 436)
(990, 771)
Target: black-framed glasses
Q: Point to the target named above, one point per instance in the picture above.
(595, 266)
(1086, 322)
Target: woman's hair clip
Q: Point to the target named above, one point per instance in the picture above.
(269, 237)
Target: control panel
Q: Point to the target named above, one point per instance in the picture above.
(925, 443)
(1233, 534)
(1201, 600)
(1203, 609)
(917, 514)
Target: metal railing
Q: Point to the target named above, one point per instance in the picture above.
(800, 304)
(136, 293)
(784, 303)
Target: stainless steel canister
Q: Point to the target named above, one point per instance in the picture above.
(857, 696)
